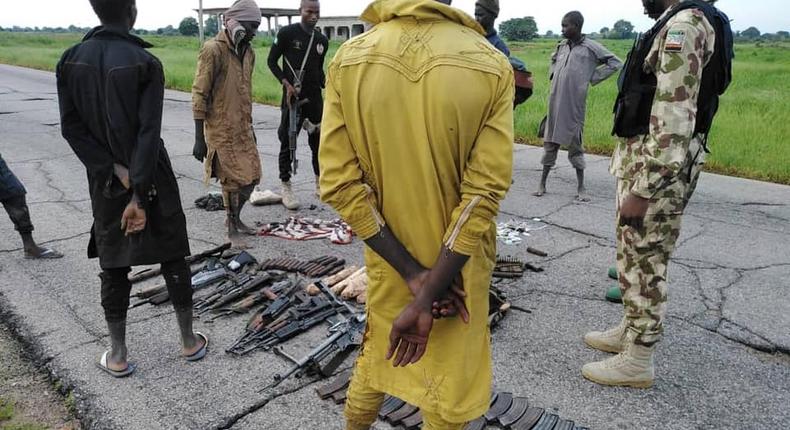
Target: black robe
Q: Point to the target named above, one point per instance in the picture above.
(111, 94)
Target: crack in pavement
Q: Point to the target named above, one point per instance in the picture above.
(39, 167)
(230, 422)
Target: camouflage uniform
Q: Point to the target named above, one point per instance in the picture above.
(662, 166)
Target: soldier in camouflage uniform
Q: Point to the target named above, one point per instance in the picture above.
(656, 176)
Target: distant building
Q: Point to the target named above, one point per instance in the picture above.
(333, 27)
(341, 27)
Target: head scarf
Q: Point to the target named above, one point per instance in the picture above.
(490, 5)
(244, 10)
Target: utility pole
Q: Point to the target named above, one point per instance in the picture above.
(200, 22)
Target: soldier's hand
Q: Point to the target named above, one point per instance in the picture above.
(290, 92)
(633, 211)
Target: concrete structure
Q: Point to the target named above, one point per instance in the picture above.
(266, 13)
(341, 27)
(334, 27)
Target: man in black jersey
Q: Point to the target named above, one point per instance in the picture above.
(303, 49)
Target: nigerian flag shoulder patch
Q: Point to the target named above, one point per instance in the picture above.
(675, 41)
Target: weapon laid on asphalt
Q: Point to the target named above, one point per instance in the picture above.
(529, 419)
(478, 424)
(517, 409)
(192, 259)
(212, 273)
(347, 335)
(340, 383)
(293, 313)
(508, 267)
(318, 267)
(404, 412)
(500, 406)
(390, 406)
(535, 251)
(546, 422)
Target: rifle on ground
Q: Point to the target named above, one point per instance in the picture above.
(347, 336)
(192, 259)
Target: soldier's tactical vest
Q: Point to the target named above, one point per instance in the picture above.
(637, 88)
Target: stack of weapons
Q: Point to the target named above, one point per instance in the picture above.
(323, 266)
(227, 270)
(240, 294)
(292, 313)
(206, 268)
(345, 336)
(505, 411)
(191, 260)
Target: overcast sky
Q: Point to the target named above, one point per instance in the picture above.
(767, 15)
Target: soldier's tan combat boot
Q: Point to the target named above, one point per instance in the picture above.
(631, 368)
(612, 340)
(289, 198)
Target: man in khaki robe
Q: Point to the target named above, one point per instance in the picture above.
(222, 108)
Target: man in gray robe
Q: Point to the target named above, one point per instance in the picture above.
(577, 63)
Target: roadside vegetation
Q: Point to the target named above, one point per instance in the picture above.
(749, 138)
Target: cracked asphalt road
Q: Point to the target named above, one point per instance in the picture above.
(724, 364)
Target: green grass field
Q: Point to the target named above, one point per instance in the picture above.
(749, 137)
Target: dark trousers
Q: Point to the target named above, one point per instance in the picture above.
(314, 111)
(115, 288)
(12, 196)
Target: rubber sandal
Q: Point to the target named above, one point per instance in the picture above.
(102, 364)
(47, 254)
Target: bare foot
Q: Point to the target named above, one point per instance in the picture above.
(541, 192)
(197, 344)
(581, 197)
(116, 360)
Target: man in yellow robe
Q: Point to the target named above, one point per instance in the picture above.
(416, 154)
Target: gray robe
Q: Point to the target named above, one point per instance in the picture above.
(573, 69)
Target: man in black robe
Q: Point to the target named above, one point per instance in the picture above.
(111, 94)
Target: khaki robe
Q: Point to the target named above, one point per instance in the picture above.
(222, 97)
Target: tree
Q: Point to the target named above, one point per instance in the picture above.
(751, 33)
(211, 26)
(519, 29)
(622, 30)
(188, 27)
(604, 31)
(783, 35)
(549, 34)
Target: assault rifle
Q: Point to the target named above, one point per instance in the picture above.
(346, 336)
(294, 125)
